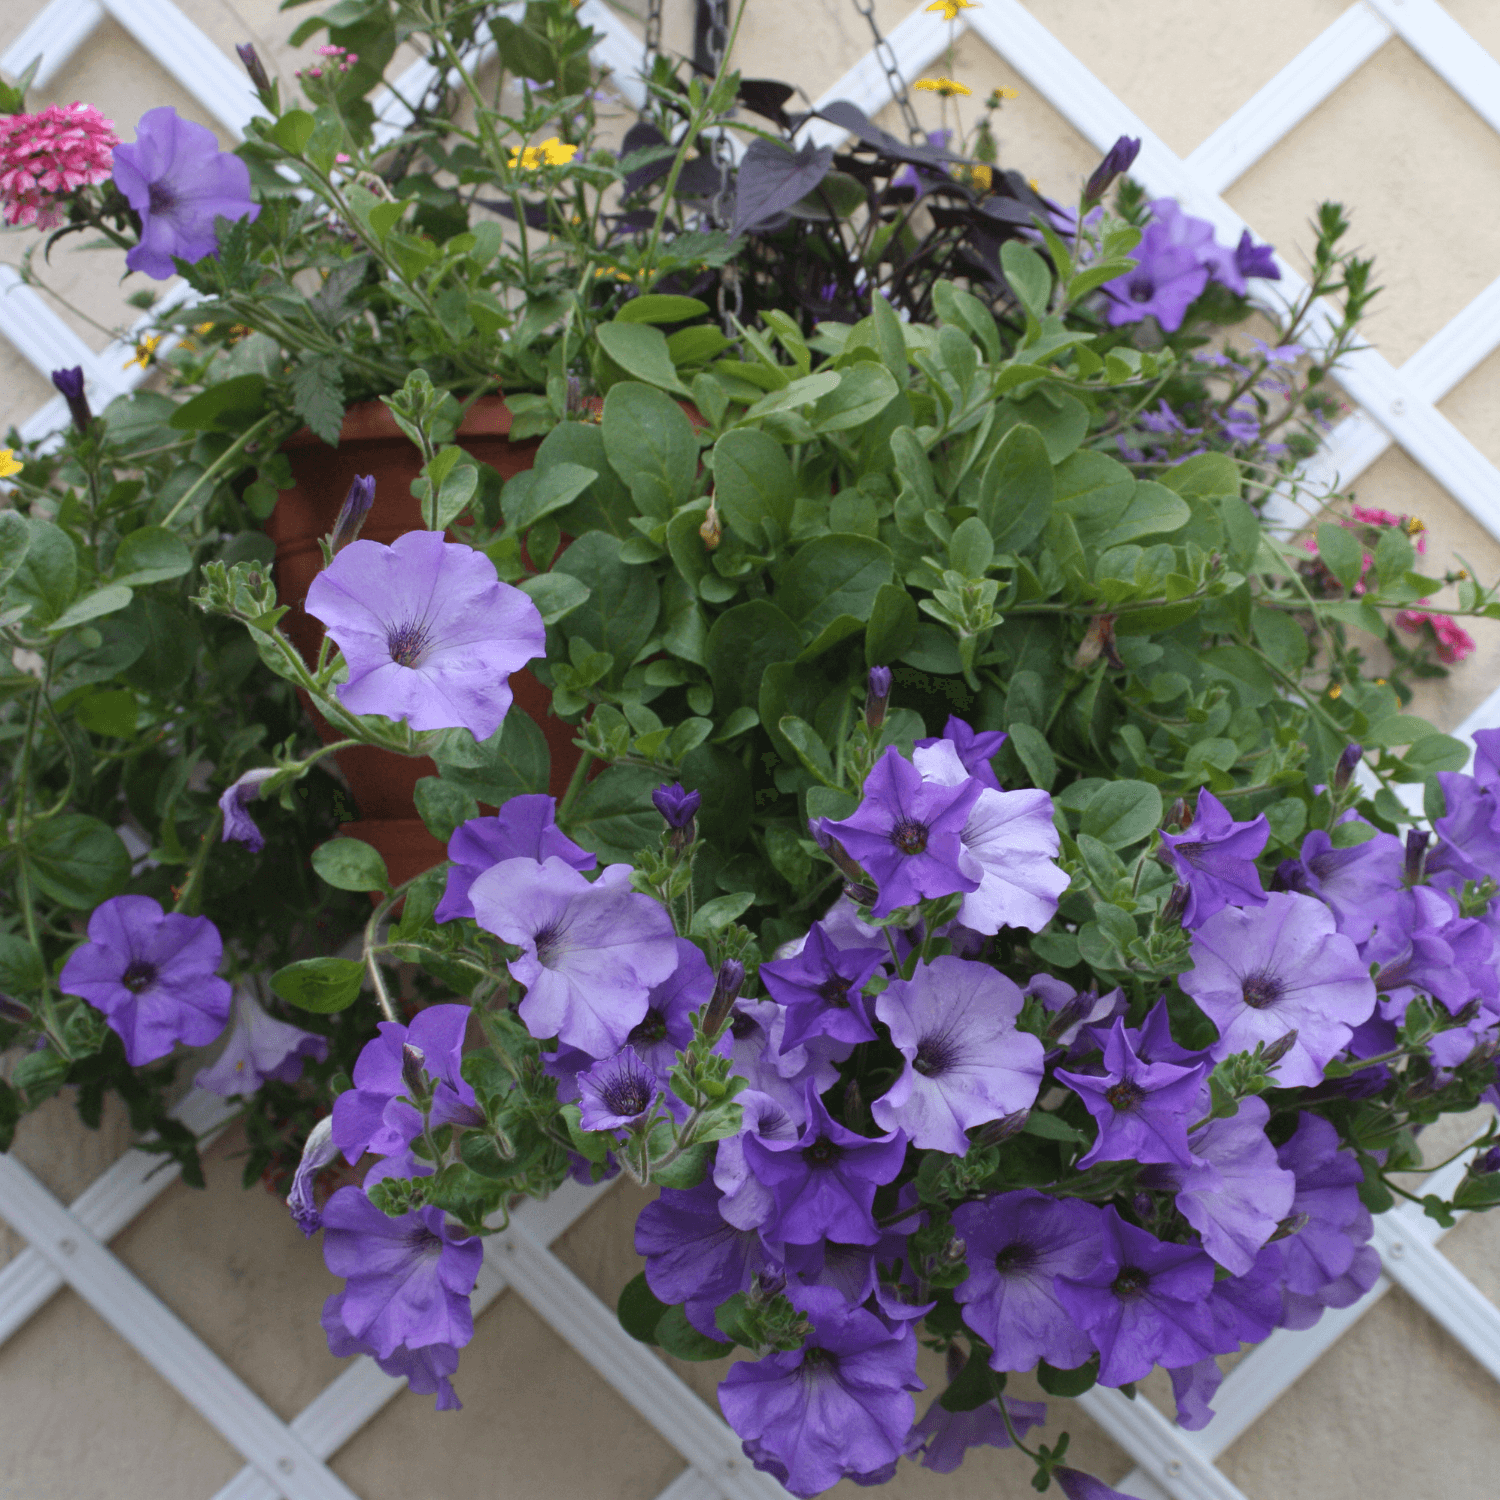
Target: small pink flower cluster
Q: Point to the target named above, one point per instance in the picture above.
(45, 156)
(336, 56)
(1454, 643)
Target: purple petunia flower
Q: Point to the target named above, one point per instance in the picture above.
(617, 1093)
(1215, 858)
(905, 832)
(377, 1113)
(677, 806)
(1077, 1485)
(755, 1043)
(840, 1405)
(179, 182)
(1144, 1303)
(259, 1047)
(408, 1279)
(1167, 279)
(318, 1151)
(823, 1182)
(822, 989)
(1425, 947)
(425, 1370)
(239, 826)
(1017, 1245)
(748, 1202)
(1251, 259)
(1261, 973)
(1073, 1011)
(590, 951)
(524, 828)
(428, 631)
(975, 748)
(152, 975)
(1358, 884)
(1143, 1110)
(1468, 833)
(667, 1027)
(941, 1438)
(954, 1023)
(1193, 1387)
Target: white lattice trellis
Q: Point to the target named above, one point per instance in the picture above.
(68, 1244)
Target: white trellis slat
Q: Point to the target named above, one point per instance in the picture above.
(54, 34)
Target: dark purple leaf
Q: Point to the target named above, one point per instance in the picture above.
(771, 179)
(767, 98)
(699, 178)
(643, 136)
(850, 117)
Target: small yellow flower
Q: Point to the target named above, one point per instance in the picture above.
(951, 8)
(551, 153)
(9, 464)
(1414, 525)
(977, 174)
(145, 352)
(999, 96)
(947, 87)
(1380, 682)
(528, 160)
(1336, 691)
(204, 327)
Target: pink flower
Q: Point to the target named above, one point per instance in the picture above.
(45, 156)
(1372, 515)
(1454, 643)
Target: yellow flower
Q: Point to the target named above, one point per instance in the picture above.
(529, 159)
(1414, 525)
(976, 173)
(947, 87)
(1336, 691)
(998, 96)
(951, 8)
(204, 327)
(8, 464)
(145, 352)
(551, 153)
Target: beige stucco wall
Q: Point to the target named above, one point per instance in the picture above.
(1396, 1411)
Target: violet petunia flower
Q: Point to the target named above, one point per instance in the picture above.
(954, 1022)
(239, 826)
(617, 1093)
(677, 806)
(1251, 259)
(822, 988)
(1425, 947)
(1143, 1304)
(1358, 884)
(1266, 971)
(524, 828)
(941, 1438)
(747, 1202)
(318, 1151)
(905, 832)
(377, 1113)
(152, 975)
(408, 1278)
(1143, 1110)
(1468, 833)
(428, 631)
(1009, 842)
(756, 1046)
(1072, 1011)
(1169, 276)
(1017, 1245)
(1215, 858)
(259, 1048)
(1193, 1387)
(823, 1182)
(975, 748)
(839, 1406)
(590, 951)
(179, 182)
(667, 1027)
(425, 1370)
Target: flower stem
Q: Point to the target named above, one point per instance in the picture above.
(575, 786)
(238, 446)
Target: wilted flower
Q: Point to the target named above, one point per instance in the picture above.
(318, 1151)
(259, 1048)
(239, 826)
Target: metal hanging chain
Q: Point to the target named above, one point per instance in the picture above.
(731, 294)
(887, 60)
(653, 48)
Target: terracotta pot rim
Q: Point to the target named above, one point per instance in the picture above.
(372, 422)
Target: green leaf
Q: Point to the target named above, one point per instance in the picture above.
(318, 396)
(743, 642)
(613, 816)
(321, 985)
(1121, 813)
(974, 1385)
(1204, 476)
(113, 713)
(1017, 490)
(47, 575)
(808, 744)
(534, 493)
(229, 406)
(1436, 752)
(1068, 1382)
(680, 1339)
(1153, 510)
(831, 576)
(1398, 729)
(623, 604)
(892, 626)
(607, 505)
(651, 445)
(103, 601)
(21, 968)
(805, 391)
(1340, 552)
(658, 307)
(753, 483)
(1049, 1127)
(351, 865)
(641, 351)
(713, 916)
(454, 493)
(1031, 746)
(512, 761)
(15, 539)
(77, 860)
(639, 1309)
(293, 131)
(555, 595)
(863, 392)
(151, 555)
(1028, 276)
(443, 806)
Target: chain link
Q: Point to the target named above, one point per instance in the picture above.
(653, 47)
(887, 60)
(731, 294)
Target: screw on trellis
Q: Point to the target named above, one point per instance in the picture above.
(886, 57)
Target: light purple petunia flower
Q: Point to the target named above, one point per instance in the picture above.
(259, 1047)
(376, 1114)
(1143, 1304)
(1193, 1387)
(1076, 1485)
(318, 1151)
(590, 950)
(822, 987)
(176, 178)
(840, 1405)
(1153, 1042)
(975, 748)
(849, 1269)
(408, 1279)
(955, 1024)
(524, 828)
(667, 1027)
(905, 832)
(617, 1093)
(1017, 1245)
(1215, 858)
(1072, 1011)
(755, 1043)
(1358, 884)
(1260, 973)
(1169, 276)
(823, 1182)
(425, 1370)
(748, 1202)
(152, 975)
(1143, 1110)
(239, 826)
(428, 631)
(941, 1438)
(1010, 844)
(1423, 946)
(1468, 833)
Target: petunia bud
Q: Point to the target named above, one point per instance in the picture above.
(860, 893)
(352, 513)
(1292, 1224)
(412, 1071)
(1119, 158)
(254, 66)
(678, 807)
(711, 531)
(1417, 840)
(877, 697)
(318, 1153)
(727, 984)
(13, 1011)
(848, 866)
(70, 386)
(1343, 772)
(1291, 875)
(1486, 1161)
(1175, 905)
(855, 1113)
(1000, 1130)
(1179, 815)
(1279, 1048)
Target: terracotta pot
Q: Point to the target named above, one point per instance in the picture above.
(370, 442)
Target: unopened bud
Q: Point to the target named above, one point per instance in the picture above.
(677, 805)
(69, 385)
(1144, 1205)
(877, 697)
(1279, 1048)
(766, 1285)
(727, 984)
(1174, 906)
(352, 513)
(1117, 159)
(1292, 1224)
(254, 66)
(1291, 875)
(1486, 1161)
(854, 1104)
(711, 531)
(849, 867)
(1417, 840)
(1348, 762)
(13, 1011)
(412, 1071)
(1001, 1130)
(860, 893)
(1179, 815)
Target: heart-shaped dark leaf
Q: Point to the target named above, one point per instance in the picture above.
(767, 98)
(771, 179)
(852, 118)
